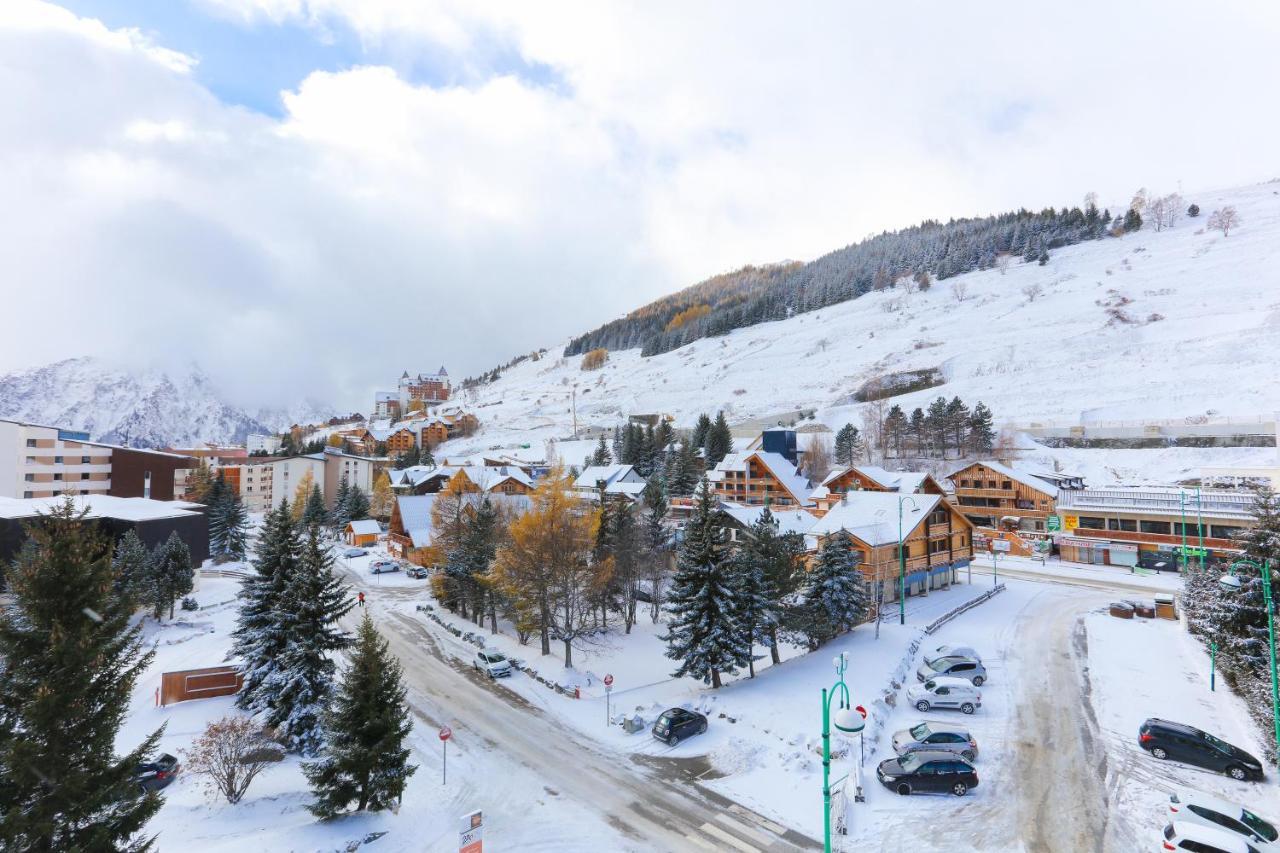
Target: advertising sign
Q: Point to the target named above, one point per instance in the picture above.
(471, 833)
(1002, 545)
(1053, 523)
(1070, 522)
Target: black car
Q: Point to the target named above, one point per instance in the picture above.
(154, 775)
(928, 771)
(676, 724)
(1180, 742)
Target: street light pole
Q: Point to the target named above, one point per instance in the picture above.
(902, 562)
(1200, 529)
(1182, 511)
(847, 720)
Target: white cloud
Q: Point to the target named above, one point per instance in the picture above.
(381, 224)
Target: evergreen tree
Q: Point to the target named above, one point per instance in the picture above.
(314, 514)
(357, 507)
(1240, 619)
(235, 542)
(919, 430)
(216, 511)
(617, 443)
(1132, 221)
(848, 445)
(936, 425)
(700, 431)
(365, 761)
(957, 421)
(719, 441)
(313, 601)
(703, 632)
(408, 459)
(340, 515)
(69, 662)
(1193, 211)
(169, 574)
(768, 572)
(260, 633)
(467, 564)
(682, 470)
(895, 429)
(131, 566)
(835, 597)
(982, 434)
(602, 455)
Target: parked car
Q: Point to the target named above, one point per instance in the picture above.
(1196, 807)
(945, 692)
(676, 724)
(418, 572)
(1184, 835)
(355, 552)
(154, 775)
(1167, 740)
(492, 664)
(936, 737)
(928, 772)
(957, 666)
(951, 649)
(382, 567)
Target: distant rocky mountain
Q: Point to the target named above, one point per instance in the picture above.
(139, 408)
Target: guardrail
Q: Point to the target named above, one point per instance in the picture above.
(968, 605)
(223, 573)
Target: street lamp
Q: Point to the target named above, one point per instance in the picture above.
(1182, 505)
(902, 562)
(1231, 583)
(847, 721)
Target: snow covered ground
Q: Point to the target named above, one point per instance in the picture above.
(1059, 356)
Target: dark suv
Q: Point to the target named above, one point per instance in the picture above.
(928, 771)
(1180, 742)
(676, 724)
(154, 775)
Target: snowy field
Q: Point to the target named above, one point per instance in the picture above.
(1058, 357)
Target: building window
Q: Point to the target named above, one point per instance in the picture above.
(57, 460)
(1189, 529)
(84, 460)
(84, 476)
(30, 478)
(57, 476)
(1219, 531)
(1128, 524)
(1006, 485)
(1093, 522)
(1154, 527)
(31, 442)
(31, 460)
(84, 491)
(56, 493)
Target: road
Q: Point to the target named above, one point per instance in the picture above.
(1068, 580)
(655, 807)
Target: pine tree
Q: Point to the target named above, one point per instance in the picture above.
(936, 425)
(919, 431)
(835, 597)
(982, 435)
(776, 557)
(719, 441)
(365, 761)
(617, 443)
(169, 574)
(957, 421)
(703, 632)
(895, 429)
(132, 571)
(700, 431)
(357, 504)
(300, 685)
(682, 470)
(1193, 211)
(339, 515)
(216, 512)
(235, 543)
(1132, 221)
(848, 445)
(260, 633)
(1240, 619)
(602, 455)
(69, 662)
(467, 564)
(314, 514)
(425, 457)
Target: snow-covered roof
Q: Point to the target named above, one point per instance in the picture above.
(415, 511)
(364, 526)
(386, 396)
(873, 516)
(1023, 477)
(592, 475)
(99, 506)
(777, 464)
(788, 520)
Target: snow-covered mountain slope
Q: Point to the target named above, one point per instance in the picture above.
(1173, 324)
(142, 408)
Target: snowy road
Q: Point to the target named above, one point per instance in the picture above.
(660, 807)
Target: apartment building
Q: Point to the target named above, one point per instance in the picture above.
(758, 478)
(263, 481)
(39, 461)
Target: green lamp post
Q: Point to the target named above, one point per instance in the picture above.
(846, 720)
(1230, 582)
(902, 562)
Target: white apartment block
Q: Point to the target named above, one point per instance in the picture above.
(43, 461)
(265, 481)
(254, 442)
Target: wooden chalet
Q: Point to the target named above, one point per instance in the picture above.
(872, 479)
(995, 496)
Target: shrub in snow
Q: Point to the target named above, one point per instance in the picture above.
(230, 755)
(189, 603)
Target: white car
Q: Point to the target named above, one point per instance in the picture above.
(951, 650)
(1185, 835)
(945, 692)
(492, 664)
(382, 567)
(1194, 807)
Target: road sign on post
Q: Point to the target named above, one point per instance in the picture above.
(1001, 545)
(445, 734)
(471, 833)
(1053, 523)
(608, 689)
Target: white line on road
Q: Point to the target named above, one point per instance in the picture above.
(776, 829)
(701, 842)
(746, 831)
(712, 829)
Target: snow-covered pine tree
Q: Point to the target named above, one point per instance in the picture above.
(1201, 601)
(357, 505)
(719, 441)
(777, 557)
(339, 515)
(982, 434)
(835, 597)
(216, 512)
(131, 567)
(602, 455)
(364, 761)
(703, 633)
(846, 446)
(169, 574)
(235, 543)
(1241, 619)
(314, 514)
(260, 628)
(69, 662)
(314, 600)
(616, 446)
(700, 430)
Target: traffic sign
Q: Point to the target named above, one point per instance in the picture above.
(1001, 545)
(445, 733)
(1053, 523)
(608, 680)
(861, 710)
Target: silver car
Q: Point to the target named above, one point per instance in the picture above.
(955, 666)
(942, 737)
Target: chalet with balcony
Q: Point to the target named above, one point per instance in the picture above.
(871, 478)
(935, 537)
(759, 477)
(995, 496)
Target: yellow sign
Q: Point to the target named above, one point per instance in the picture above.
(1070, 522)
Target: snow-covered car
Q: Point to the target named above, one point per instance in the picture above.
(957, 666)
(418, 573)
(382, 567)
(952, 650)
(945, 692)
(355, 552)
(1197, 807)
(492, 664)
(936, 737)
(1184, 835)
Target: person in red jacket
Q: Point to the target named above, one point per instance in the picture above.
(360, 598)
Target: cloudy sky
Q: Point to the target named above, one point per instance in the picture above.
(314, 195)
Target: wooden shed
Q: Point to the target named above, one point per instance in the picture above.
(364, 532)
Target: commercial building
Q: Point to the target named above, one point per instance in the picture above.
(993, 495)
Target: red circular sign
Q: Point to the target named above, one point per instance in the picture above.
(861, 710)
(608, 680)
(445, 733)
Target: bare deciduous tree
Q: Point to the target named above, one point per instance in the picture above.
(1163, 212)
(1002, 262)
(960, 289)
(231, 753)
(1033, 292)
(818, 458)
(1224, 219)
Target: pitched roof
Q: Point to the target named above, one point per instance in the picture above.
(873, 516)
(593, 474)
(1024, 477)
(777, 465)
(364, 526)
(415, 511)
(788, 520)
